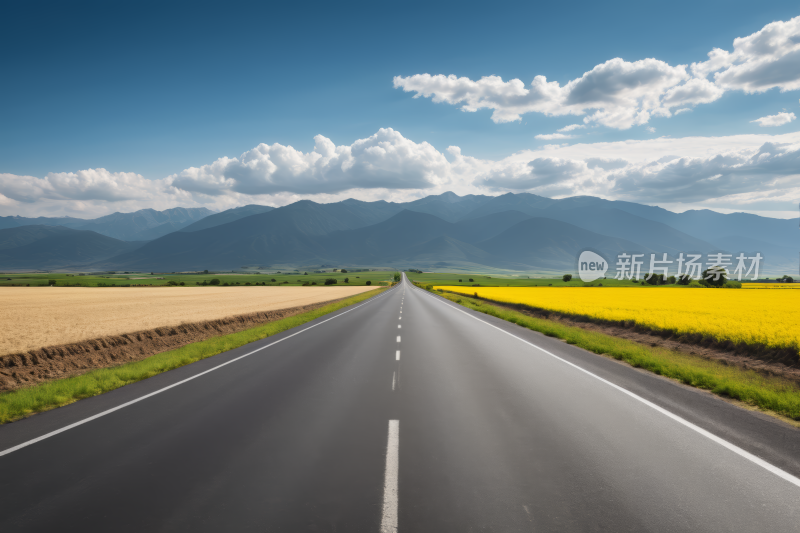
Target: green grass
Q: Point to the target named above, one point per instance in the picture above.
(764, 392)
(22, 402)
(122, 279)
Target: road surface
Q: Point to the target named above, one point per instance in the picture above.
(403, 413)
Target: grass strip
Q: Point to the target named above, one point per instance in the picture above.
(769, 393)
(45, 396)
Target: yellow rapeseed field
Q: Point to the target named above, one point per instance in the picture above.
(765, 317)
(34, 317)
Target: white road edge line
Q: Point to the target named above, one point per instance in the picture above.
(389, 519)
(159, 391)
(722, 442)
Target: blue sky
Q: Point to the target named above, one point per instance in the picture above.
(148, 90)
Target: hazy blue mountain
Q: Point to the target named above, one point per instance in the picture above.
(142, 225)
(226, 216)
(17, 221)
(544, 243)
(145, 224)
(45, 247)
(522, 202)
(447, 206)
(20, 236)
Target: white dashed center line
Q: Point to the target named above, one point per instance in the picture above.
(398, 338)
(397, 355)
(389, 520)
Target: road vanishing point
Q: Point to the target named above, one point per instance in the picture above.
(402, 415)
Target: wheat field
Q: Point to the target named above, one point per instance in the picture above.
(35, 317)
(756, 317)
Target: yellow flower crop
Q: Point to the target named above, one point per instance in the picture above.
(765, 317)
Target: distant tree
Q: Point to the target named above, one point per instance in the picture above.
(215, 281)
(172, 282)
(313, 282)
(273, 280)
(566, 277)
(671, 280)
(205, 271)
(471, 279)
(368, 282)
(397, 276)
(715, 276)
(305, 273)
(347, 280)
(786, 279)
(51, 282)
(225, 284)
(330, 281)
(344, 271)
(459, 281)
(182, 283)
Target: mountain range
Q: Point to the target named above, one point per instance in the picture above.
(519, 232)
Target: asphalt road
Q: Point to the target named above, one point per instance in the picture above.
(442, 420)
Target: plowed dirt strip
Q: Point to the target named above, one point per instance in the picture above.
(35, 317)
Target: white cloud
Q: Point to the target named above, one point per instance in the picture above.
(553, 136)
(720, 172)
(681, 111)
(775, 120)
(572, 127)
(651, 129)
(384, 160)
(621, 94)
(617, 93)
(766, 59)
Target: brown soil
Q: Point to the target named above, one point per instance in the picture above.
(55, 362)
(766, 361)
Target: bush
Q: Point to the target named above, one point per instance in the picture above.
(182, 283)
(471, 280)
(566, 277)
(714, 277)
(273, 280)
(397, 276)
(330, 281)
(671, 280)
(172, 282)
(459, 281)
(247, 283)
(786, 279)
(225, 284)
(344, 271)
(215, 281)
(347, 280)
(51, 282)
(313, 282)
(306, 284)
(369, 282)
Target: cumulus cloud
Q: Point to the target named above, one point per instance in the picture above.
(775, 120)
(769, 58)
(683, 110)
(383, 160)
(553, 136)
(572, 127)
(720, 172)
(621, 94)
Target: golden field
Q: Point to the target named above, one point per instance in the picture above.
(757, 317)
(34, 317)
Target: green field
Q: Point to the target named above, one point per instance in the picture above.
(121, 279)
